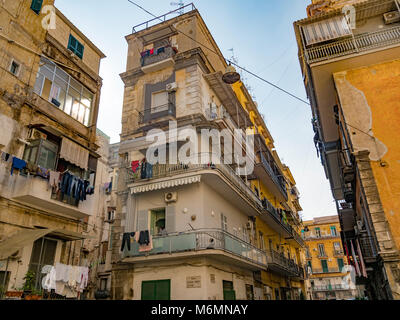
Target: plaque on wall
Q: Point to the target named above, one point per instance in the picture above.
(193, 282)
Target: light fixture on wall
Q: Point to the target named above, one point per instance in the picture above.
(185, 210)
(231, 76)
(194, 217)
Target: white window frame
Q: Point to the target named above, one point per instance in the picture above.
(18, 69)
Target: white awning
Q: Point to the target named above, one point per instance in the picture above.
(165, 184)
(74, 153)
(26, 237)
(329, 29)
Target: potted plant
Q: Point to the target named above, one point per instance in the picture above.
(29, 285)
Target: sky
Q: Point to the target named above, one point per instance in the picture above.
(262, 37)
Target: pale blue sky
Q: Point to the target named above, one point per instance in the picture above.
(261, 33)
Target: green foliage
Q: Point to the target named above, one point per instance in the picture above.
(29, 278)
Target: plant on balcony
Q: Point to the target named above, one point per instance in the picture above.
(29, 290)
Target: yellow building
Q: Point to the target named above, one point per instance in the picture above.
(352, 80)
(326, 260)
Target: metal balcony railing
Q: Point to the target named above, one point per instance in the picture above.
(166, 53)
(338, 253)
(278, 259)
(360, 43)
(164, 17)
(202, 240)
(333, 287)
(156, 112)
(328, 270)
(367, 247)
(274, 176)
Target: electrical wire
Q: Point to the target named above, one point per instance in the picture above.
(227, 60)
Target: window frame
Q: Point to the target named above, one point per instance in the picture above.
(18, 67)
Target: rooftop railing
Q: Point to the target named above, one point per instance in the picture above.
(360, 43)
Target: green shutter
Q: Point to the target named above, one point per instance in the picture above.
(148, 290)
(229, 295)
(75, 46)
(163, 290)
(324, 264)
(340, 264)
(156, 290)
(36, 6)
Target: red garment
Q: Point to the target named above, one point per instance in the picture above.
(347, 254)
(151, 52)
(135, 166)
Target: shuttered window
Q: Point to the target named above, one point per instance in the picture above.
(36, 6)
(170, 224)
(75, 46)
(143, 220)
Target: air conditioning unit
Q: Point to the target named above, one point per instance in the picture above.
(391, 17)
(172, 87)
(171, 197)
(36, 135)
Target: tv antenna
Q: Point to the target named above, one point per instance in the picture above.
(179, 4)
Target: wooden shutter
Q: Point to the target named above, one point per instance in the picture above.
(163, 290)
(36, 6)
(170, 214)
(79, 50)
(148, 290)
(143, 220)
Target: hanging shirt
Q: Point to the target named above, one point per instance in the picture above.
(17, 164)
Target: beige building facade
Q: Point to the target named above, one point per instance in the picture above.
(49, 99)
(204, 218)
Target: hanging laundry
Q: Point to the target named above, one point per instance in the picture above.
(43, 172)
(31, 167)
(363, 268)
(145, 241)
(135, 165)
(5, 157)
(355, 259)
(160, 50)
(54, 180)
(17, 164)
(126, 240)
(152, 51)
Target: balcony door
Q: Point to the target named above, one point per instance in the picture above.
(229, 292)
(43, 253)
(324, 265)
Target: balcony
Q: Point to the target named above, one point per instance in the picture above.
(161, 59)
(276, 184)
(368, 248)
(201, 242)
(328, 270)
(333, 287)
(34, 191)
(338, 253)
(361, 43)
(279, 263)
(155, 113)
(169, 170)
(312, 237)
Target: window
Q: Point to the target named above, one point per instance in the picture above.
(36, 6)
(317, 232)
(309, 265)
(249, 292)
(56, 86)
(261, 240)
(42, 153)
(157, 222)
(4, 279)
(224, 222)
(324, 265)
(103, 284)
(159, 102)
(321, 250)
(43, 253)
(14, 68)
(308, 253)
(337, 247)
(340, 263)
(333, 231)
(75, 46)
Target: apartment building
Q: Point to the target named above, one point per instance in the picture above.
(49, 100)
(216, 232)
(349, 54)
(331, 276)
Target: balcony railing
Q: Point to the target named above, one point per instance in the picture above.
(360, 43)
(328, 270)
(155, 113)
(202, 240)
(338, 253)
(273, 176)
(167, 170)
(333, 287)
(278, 259)
(167, 52)
(319, 237)
(367, 247)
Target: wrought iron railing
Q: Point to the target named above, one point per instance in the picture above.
(273, 176)
(360, 43)
(278, 259)
(332, 287)
(202, 240)
(168, 52)
(154, 113)
(328, 270)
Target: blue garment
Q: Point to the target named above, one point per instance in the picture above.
(17, 164)
(73, 186)
(65, 183)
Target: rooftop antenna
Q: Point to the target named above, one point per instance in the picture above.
(180, 5)
(242, 75)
